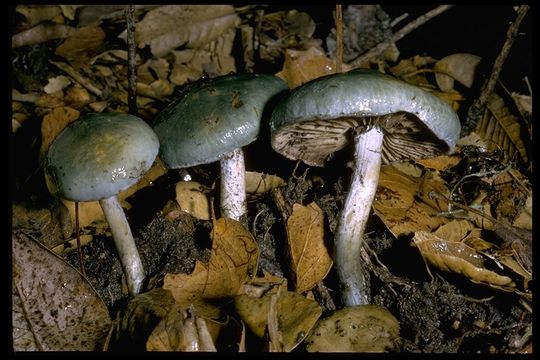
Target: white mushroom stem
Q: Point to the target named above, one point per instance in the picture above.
(125, 245)
(233, 184)
(352, 222)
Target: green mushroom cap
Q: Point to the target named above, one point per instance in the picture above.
(214, 118)
(100, 155)
(315, 120)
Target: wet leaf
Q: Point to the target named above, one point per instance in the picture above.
(296, 315)
(310, 259)
(191, 197)
(405, 204)
(302, 66)
(460, 67)
(501, 129)
(232, 263)
(51, 303)
(258, 184)
(168, 27)
(458, 258)
(364, 328)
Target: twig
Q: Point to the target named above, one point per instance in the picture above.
(477, 107)
(132, 70)
(339, 38)
(373, 52)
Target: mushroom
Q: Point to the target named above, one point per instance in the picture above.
(388, 120)
(95, 158)
(213, 121)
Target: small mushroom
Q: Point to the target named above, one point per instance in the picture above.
(95, 158)
(213, 121)
(388, 120)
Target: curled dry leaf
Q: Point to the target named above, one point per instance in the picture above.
(35, 14)
(310, 259)
(51, 303)
(191, 197)
(460, 67)
(232, 263)
(168, 27)
(41, 33)
(458, 258)
(80, 46)
(296, 315)
(364, 328)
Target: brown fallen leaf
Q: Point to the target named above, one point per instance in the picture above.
(296, 315)
(364, 328)
(302, 66)
(310, 258)
(458, 258)
(35, 14)
(459, 67)
(403, 201)
(82, 45)
(232, 263)
(191, 197)
(258, 184)
(51, 303)
(170, 26)
(53, 123)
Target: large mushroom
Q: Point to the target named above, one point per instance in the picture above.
(388, 120)
(95, 158)
(213, 121)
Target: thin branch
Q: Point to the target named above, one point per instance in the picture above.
(87, 84)
(377, 50)
(477, 108)
(132, 65)
(339, 38)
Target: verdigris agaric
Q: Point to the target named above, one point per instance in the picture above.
(95, 158)
(387, 119)
(213, 121)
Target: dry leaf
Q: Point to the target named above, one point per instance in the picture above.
(501, 129)
(77, 97)
(404, 204)
(364, 328)
(82, 45)
(523, 103)
(302, 66)
(258, 184)
(51, 303)
(455, 230)
(439, 163)
(56, 84)
(524, 218)
(460, 67)
(310, 259)
(191, 197)
(232, 263)
(458, 258)
(168, 27)
(296, 315)
(53, 123)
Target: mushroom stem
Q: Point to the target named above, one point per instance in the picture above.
(125, 245)
(233, 184)
(354, 282)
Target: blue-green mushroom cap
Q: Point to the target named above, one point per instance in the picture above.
(317, 118)
(214, 118)
(99, 155)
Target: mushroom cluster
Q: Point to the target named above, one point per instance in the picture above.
(387, 119)
(95, 158)
(213, 121)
